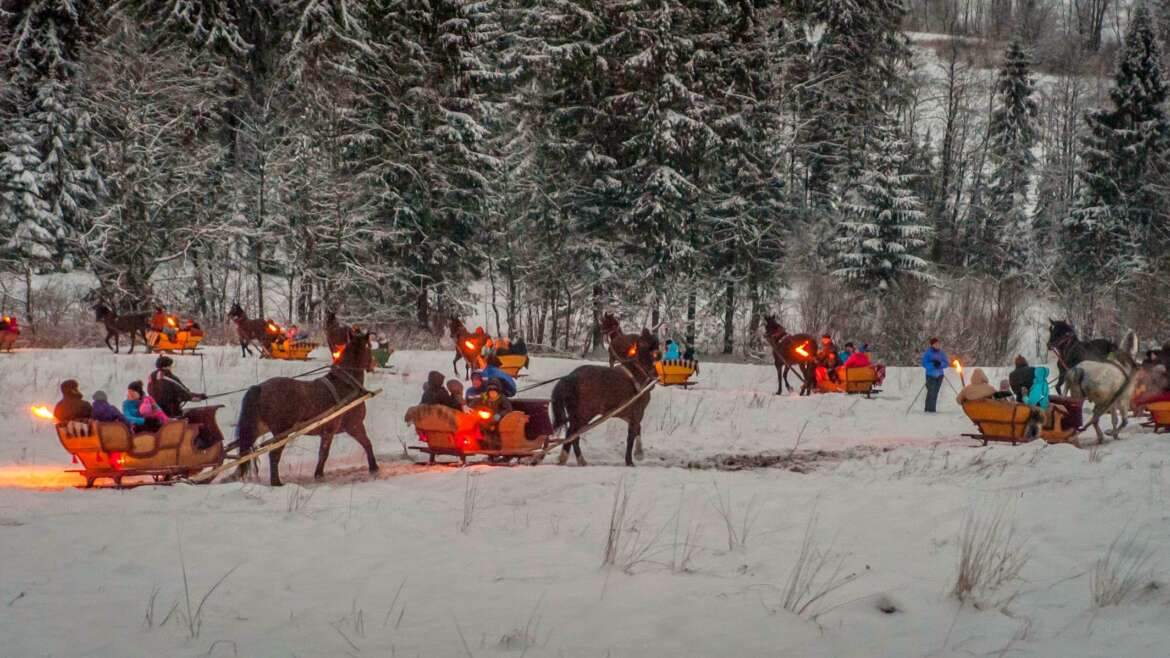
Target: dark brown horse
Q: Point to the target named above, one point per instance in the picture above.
(468, 346)
(791, 352)
(592, 391)
(279, 404)
(619, 343)
(135, 324)
(249, 330)
(336, 334)
(1070, 350)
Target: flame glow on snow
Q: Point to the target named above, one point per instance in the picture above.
(41, 476)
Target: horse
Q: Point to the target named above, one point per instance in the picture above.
(1070, 350)
(135, 324)
(249, 330)
(1109, 385)
(468, 346)
(619, 343)
(787, 357)
(279, 404)
(591, 391)
(336, 334)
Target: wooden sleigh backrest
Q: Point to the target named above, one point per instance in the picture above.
(998, 418)
(860, 380)
(1159, 412)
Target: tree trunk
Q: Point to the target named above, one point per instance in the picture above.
(422, 306)
(692, 304)
(28, 300)
(595, 331)
(757, 313)
(729, 319)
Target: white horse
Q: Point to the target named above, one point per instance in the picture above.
(1109, 385)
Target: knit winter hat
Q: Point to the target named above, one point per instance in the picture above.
(70, 386)
(100, 396)
(164, 361)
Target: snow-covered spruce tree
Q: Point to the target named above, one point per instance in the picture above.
(1007, 244)
(43, 41)
(885, 229)
(847, 71)
(27, 239)
(1118, 226)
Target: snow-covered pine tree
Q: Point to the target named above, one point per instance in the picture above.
(1007, 243)
(1118, 226)
(885, 229)
(44, 40)
(26, 236)
(847, 71)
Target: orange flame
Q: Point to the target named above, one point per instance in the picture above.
(633, 351)
(469, 344)
(802, 349)
(338, 353)
(171, 321)
(958, 366)
(485, 414)
(273, 328)
(43, 412)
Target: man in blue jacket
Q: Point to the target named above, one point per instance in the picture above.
(934, 361)
(494, 371)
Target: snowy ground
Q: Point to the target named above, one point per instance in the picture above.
(396, 565)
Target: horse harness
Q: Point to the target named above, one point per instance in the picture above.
(342, 371)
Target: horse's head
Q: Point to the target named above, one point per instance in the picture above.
(236, 313)
(356, 355)
(101, 312)
(610, 325)
(772, 328)
(647, 348)
(1059, 331)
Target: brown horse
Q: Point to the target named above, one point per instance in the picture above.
(468, 346)
(787, 355)
(592, 391)
(619, 343)
(279, 404)
(249, 330)
(336, 334)
(135, 324)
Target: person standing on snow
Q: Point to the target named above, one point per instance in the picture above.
(934, 362)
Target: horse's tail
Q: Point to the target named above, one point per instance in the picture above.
(1128, 349)
(247, 428)
(563, 395)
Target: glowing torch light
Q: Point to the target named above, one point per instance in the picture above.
(485, 414)
(43, 412)
(633, 351)
(171, 321)
(959, 367)
(802, 350)
(469, 344)
(273, 328)
(338, 353)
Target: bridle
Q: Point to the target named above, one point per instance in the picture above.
(624, 364)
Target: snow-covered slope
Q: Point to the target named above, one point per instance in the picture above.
(397, 565)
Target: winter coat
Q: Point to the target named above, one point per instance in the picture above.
(106, 412)
(1021, 380)
(843, 356)
(979, 388)
(149, 408)
(435, 392)
(672, 353)
(131, 414)
(508, 384)
(858, 360)
(169, 391)
(72, 407)
(1038, 392)
(934, 361)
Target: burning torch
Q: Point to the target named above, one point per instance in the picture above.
(959, 367)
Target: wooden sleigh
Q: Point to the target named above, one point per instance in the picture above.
(513, 363)
(443, 431)
(676, 372)
(287, 350)
(1013, 422)
(184, 342)
(112, 450)
(852, 381)
(1159, 417)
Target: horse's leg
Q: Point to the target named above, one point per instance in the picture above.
(1097, 427)
(455, 363)
(108, 346)
(358, 432)
(566, 447)
(1060, 369)
(781, 380)
(633, 434)
(577, 451)
(323, 455)
(274, 467)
